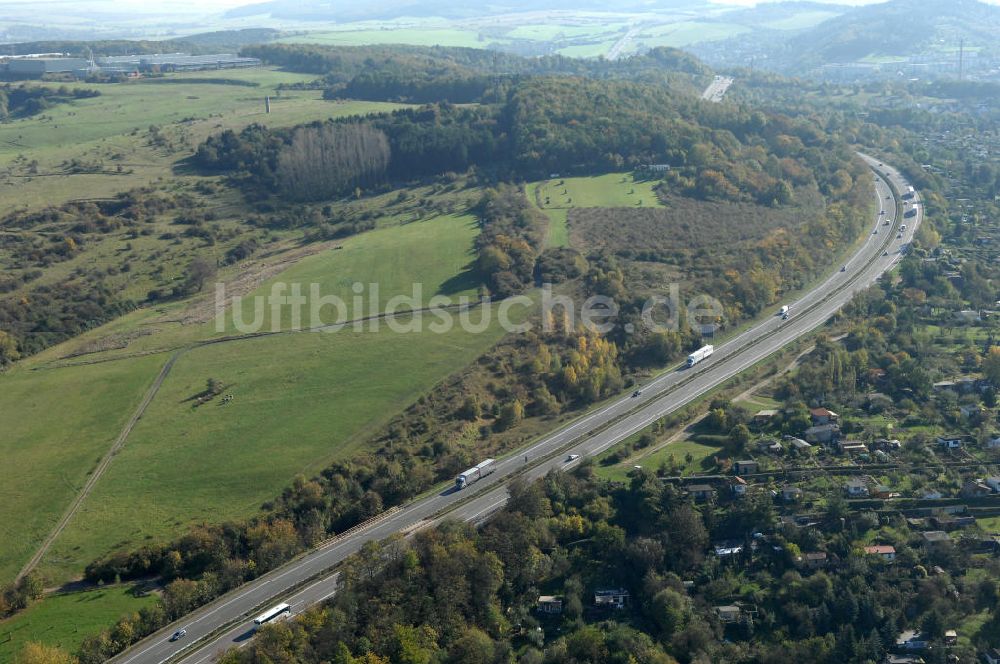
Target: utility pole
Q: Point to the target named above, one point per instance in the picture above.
(961, 59)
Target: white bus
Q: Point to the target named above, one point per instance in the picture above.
(272, 614)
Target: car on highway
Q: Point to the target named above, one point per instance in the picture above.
(636, 393)
(843, 268)
(885, 253)
(899, 236)
(572, 457)
(875, 232)
(179, 634)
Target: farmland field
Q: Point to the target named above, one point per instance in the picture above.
(65, 620)
(415, 37)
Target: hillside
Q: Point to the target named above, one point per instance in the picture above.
(898, 29)
(110, 276)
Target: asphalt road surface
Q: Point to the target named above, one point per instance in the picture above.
(717, 89)
(227, 622)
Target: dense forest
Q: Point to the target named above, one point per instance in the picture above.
(575, 125)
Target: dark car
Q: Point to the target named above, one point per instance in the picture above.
(179, 634)
(636, 393)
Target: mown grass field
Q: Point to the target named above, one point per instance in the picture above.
(556, 196)
(56, 425)
(610, 190)
(691, 456)
(65, 620)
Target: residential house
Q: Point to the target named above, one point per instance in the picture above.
(823, 416)
(770, 446)
(975, 489)
(799, 444)
(944, 522)
(791, 494)
(549, 604)
(739, 486)
(876, 376)
(884, 551)
(813, 560)
(950, 637)
(762, 417)
(727, 548)
(746, 467)
(728, 614)
(903, 659)
(994, 442)
(852, 447)
(935, 539)
(945, 386)
(701, 491)
(612, 598)
(992, 656)
(887, 445)
(993, 483)
(823, 433)
(856, 488)
(971, 409)
(883, 492)
(951, 442)
(911, 640)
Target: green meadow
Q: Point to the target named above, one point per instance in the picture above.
(299, 402)
(301, 399)
(65, 620)
(556, 196)
(56, 426)
(113, 130)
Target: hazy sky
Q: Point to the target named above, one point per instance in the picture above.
(211, 6)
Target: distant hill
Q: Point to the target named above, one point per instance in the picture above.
(206, 42)
(899, 27)
(894, 29)
(346, 10)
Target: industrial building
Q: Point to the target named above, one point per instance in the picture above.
(176, 62)
(37, 67)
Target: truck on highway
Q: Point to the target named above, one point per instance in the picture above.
(699, 355)
(910, 192)
(474, 474)
(912, 212)
(783, 312)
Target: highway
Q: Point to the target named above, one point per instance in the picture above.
(717, 89)
(227, 621)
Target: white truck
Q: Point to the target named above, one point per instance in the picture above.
(783, 312)
(699, 355)
(474, 474)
